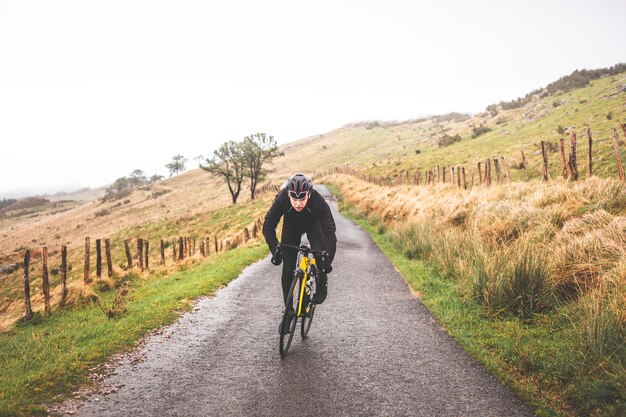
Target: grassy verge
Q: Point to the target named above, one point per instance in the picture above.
(532, 357)
(43, 359)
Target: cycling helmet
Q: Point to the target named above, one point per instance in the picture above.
(298, 186)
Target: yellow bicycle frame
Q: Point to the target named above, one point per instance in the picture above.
(304, 266)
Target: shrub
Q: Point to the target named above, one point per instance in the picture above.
(492, 109)
(447, 140)
(556, 103)
(609, 115)
(477, 131)
(102, 212)
(560, 130)
(417, 152)
(159, 193)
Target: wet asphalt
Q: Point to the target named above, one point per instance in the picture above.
(373, 350)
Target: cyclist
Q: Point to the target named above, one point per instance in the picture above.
(303, 210)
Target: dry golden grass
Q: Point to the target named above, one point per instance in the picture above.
(579, 227)
(186, 209)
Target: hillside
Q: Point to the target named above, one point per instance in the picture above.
(391, 148)
(188, 204)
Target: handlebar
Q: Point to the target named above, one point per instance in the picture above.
(302, 248)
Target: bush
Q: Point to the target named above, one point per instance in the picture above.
(560, 130)
(417, 152)
(447, 140)
(102, 212)
(556, 103)
(477, 131)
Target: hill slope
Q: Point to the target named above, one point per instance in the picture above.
(189, 203)
(389, 149)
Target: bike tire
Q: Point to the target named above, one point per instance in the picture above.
(292, 301)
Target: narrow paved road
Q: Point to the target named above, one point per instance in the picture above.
(373, 350)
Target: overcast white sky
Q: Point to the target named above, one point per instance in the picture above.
(90, 90)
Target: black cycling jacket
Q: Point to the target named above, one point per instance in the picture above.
(316, 209)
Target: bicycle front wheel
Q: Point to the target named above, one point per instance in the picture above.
(291, 309)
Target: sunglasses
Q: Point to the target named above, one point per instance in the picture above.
(298, 196)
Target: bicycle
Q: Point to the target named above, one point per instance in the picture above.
(299, 302)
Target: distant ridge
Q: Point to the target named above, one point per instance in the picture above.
(41, 191)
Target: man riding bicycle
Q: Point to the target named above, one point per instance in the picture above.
(304, 211)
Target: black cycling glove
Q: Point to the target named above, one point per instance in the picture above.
(277, 257)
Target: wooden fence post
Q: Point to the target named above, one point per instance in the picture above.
(146, 253)
(506, 169)
(464, 179)
(480, 173)
(589, 154)
(458, 176)
(194, 246)
(255, 231)
(87, 261)
(572, 156)
(146, 248)
(246, 235)
(202, 248)
(618, 159)
(181, 247)
(216, 248)
(496, 165)
(563, 163)
(98, 258)
(140, 254)
(162, 252)
(488, 172)
(544, 154)
(107, 253)
(46, 282)
(63, 274)
(524, 165)
(29, 311)
(129, 258)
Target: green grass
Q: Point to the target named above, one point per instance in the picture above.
(45, 358)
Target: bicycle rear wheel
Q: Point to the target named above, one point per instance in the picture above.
(291, 309)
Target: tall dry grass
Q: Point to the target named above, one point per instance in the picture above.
(523, 248)
(576, 232)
